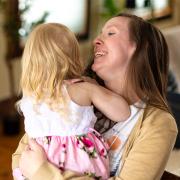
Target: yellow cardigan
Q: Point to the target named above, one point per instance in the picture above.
(144, 157)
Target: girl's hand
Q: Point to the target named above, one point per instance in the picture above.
(31, 159)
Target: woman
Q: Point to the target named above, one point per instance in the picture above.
(131, 57)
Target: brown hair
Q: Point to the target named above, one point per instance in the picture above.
(148, 68)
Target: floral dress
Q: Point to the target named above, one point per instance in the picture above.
(70, 144)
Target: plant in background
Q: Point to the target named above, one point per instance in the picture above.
(12, 25)
(112, 7)
(25, 7)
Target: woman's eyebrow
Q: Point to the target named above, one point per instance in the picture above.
(108, 27)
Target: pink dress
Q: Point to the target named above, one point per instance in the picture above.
(70, 143)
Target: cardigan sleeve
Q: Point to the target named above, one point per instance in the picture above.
(147, 156)
(17, 154)
(49, 172)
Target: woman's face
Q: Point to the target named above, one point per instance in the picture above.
(113, 49)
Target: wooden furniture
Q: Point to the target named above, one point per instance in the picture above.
(169, 176)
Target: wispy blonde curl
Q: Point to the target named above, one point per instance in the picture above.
(51, 55)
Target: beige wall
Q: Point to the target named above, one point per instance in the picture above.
(85, 46)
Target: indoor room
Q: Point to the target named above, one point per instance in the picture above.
(85, 18)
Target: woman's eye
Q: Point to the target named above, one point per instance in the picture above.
(110, 33)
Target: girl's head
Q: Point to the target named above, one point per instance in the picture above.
(135, 51)
(51, 55)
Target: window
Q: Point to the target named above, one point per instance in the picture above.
(72, 13)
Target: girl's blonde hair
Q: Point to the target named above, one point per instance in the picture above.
(51, 55)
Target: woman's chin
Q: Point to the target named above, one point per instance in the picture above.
(97, 70)
(93, 67)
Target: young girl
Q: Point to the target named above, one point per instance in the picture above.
(59, 115)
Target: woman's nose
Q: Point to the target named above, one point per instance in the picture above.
(97, 41)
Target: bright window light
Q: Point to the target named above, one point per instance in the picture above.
(72, 13)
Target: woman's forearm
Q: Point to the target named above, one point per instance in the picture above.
(17, 154)
(49, 171)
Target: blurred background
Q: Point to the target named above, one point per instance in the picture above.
(85, 18)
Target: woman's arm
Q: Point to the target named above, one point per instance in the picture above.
(147, 155)
(17, 154)
(34, 166)
(43, 169)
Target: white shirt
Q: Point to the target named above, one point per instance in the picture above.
(118, 135)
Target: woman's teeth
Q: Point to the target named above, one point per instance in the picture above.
(99, 54)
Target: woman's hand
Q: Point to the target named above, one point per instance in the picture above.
(31, 159)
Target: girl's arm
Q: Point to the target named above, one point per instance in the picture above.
(109, 103)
